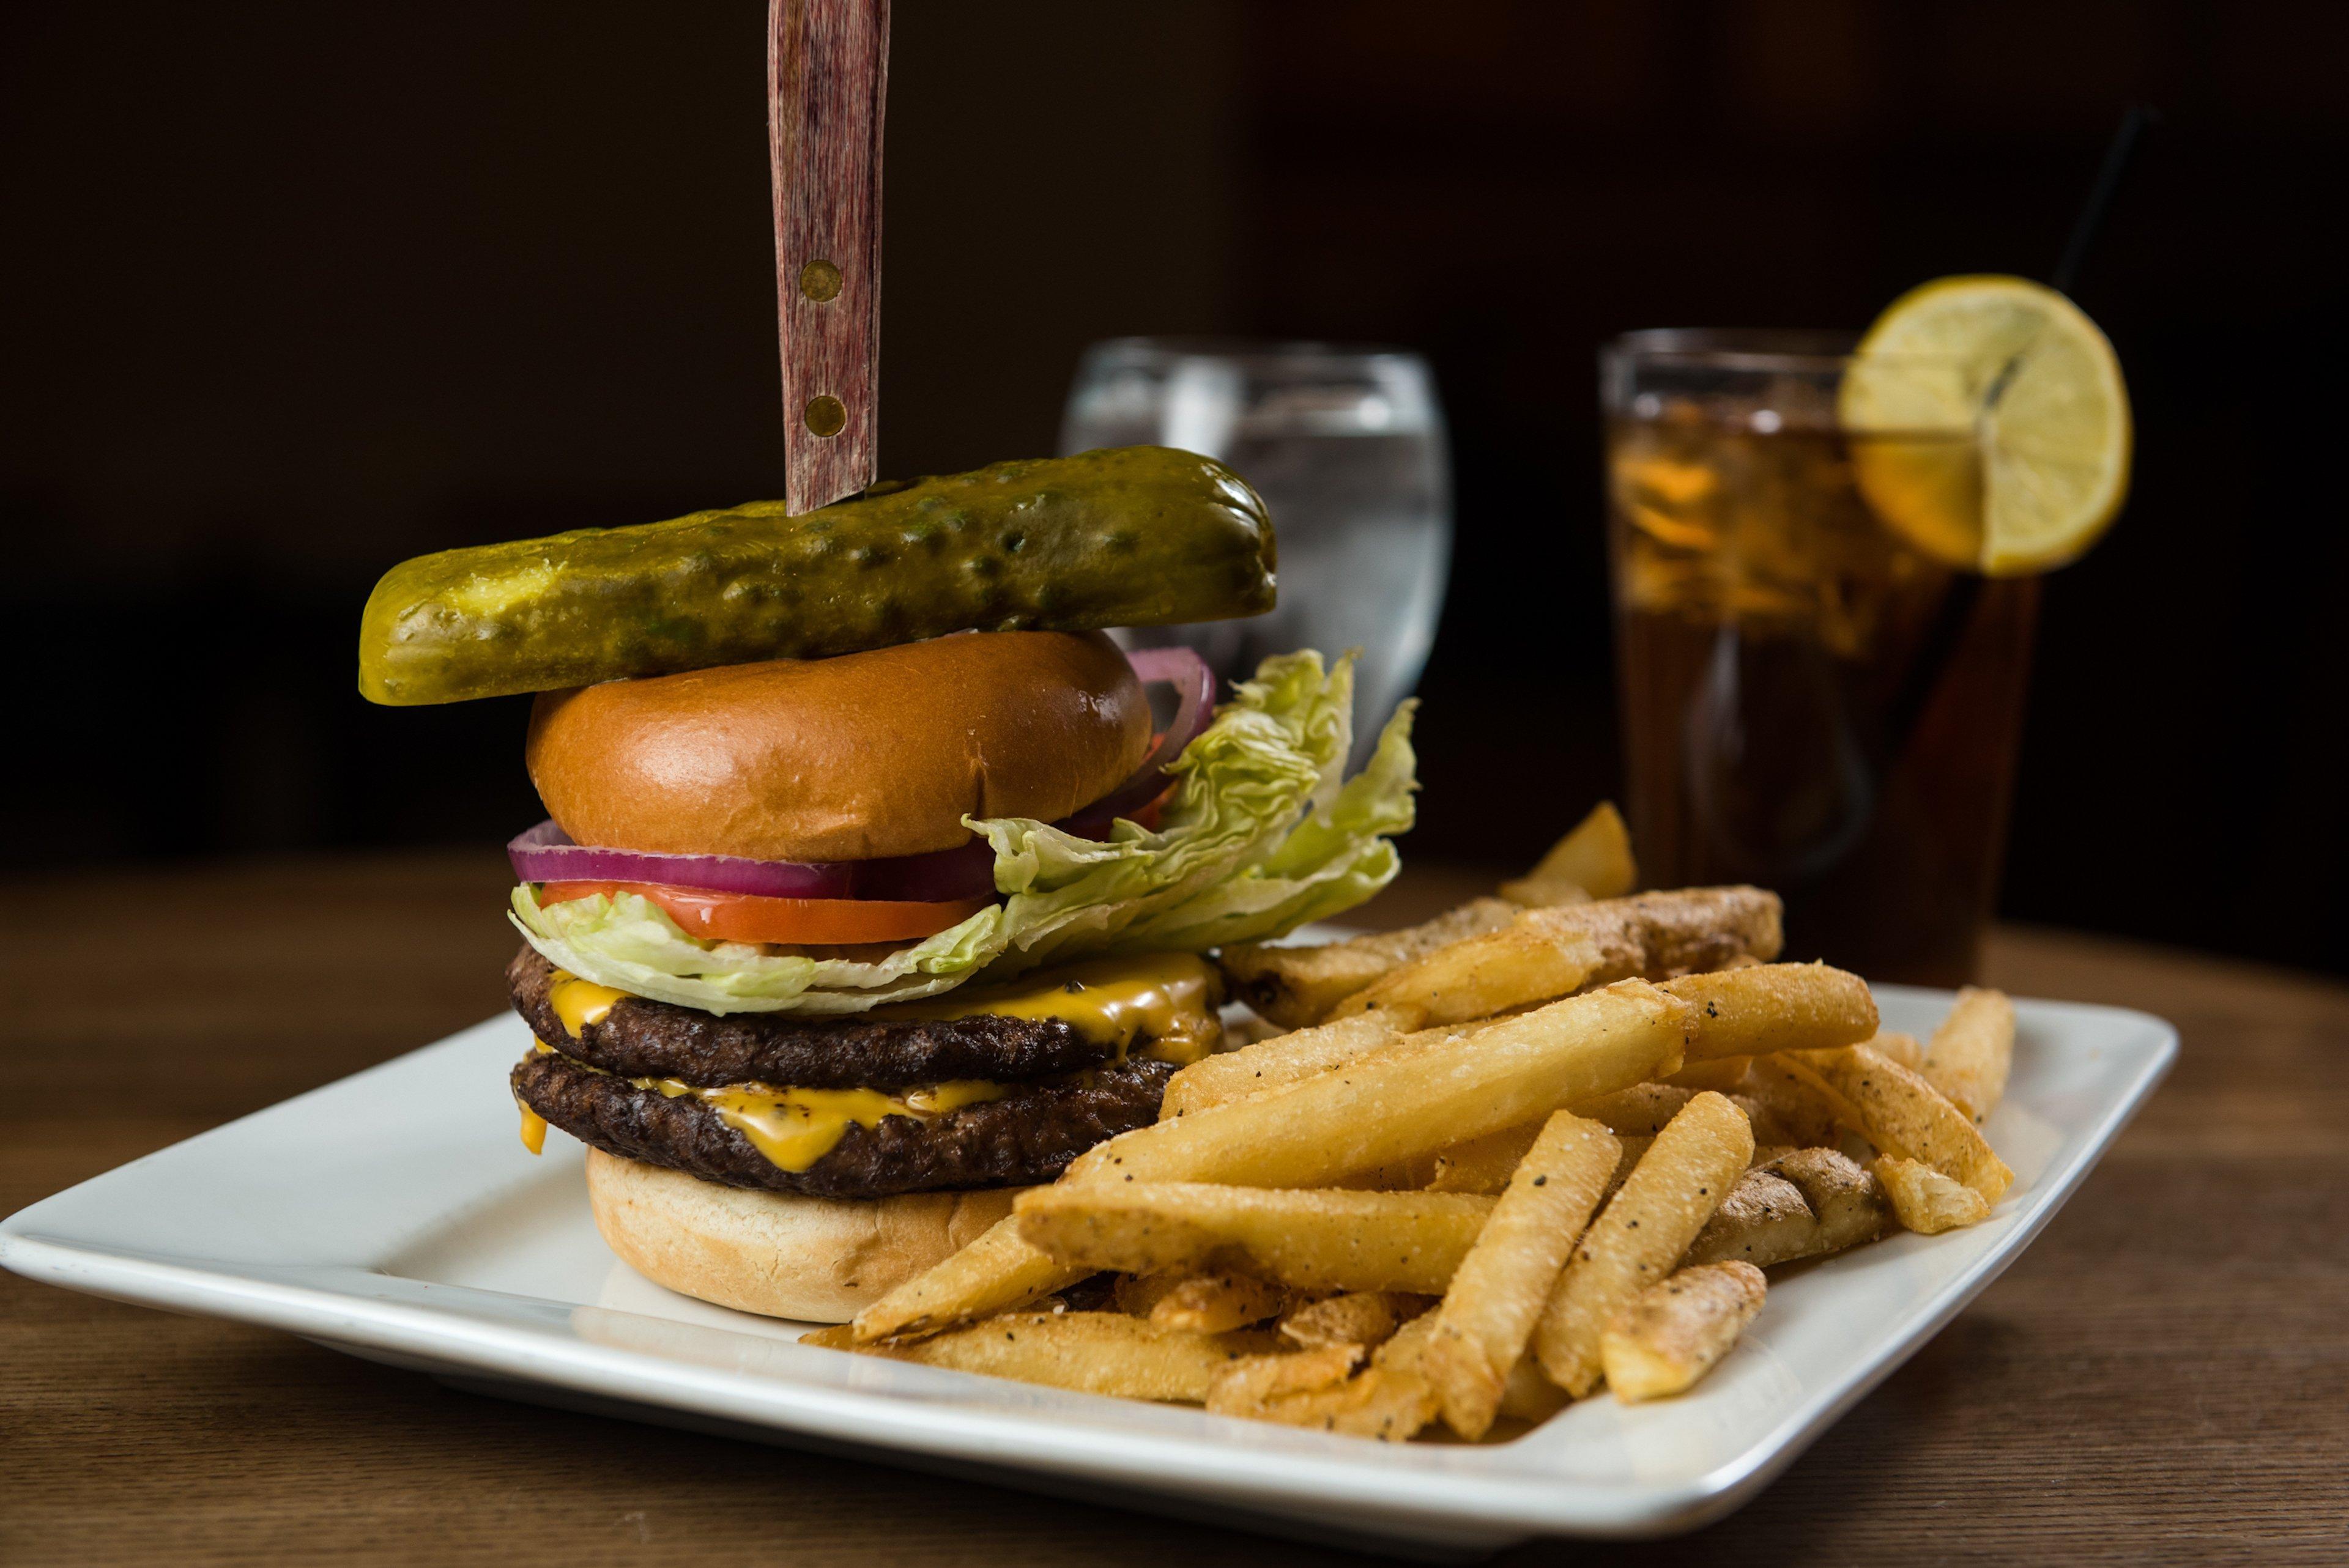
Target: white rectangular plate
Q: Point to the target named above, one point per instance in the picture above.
(395, 1215)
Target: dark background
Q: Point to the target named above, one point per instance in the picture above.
(292, 290)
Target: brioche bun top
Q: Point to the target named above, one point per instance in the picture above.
(855, 757)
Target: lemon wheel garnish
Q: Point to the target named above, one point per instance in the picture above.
(2016, 367)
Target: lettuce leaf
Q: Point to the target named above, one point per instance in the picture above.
(1264, 833)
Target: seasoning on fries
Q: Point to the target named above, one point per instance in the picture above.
(1805, 1203)
(1674, 1332)
(1903, 1114)
(1775, 1007)
(1321, 1239)
(1642, 1234)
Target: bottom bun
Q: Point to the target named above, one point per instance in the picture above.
(821, 1260)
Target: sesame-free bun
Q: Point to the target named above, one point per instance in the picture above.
(820, 1260)
(850, 759)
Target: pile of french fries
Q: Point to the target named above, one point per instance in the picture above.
(1546, 1142)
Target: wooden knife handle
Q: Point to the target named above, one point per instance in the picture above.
(827, 79)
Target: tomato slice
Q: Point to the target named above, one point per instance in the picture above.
(810, 922)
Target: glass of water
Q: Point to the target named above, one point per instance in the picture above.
(1346, 448)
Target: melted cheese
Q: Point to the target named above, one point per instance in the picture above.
(579, 1002)
(533, 1128)
(794, 1127)
(941, 1097)
(1169, 997)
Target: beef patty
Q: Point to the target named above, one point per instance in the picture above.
(1025, 1137)
(644, 1038)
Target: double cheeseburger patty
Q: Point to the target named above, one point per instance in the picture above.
(620, 1085)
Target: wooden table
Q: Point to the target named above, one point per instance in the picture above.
(2164, 1375)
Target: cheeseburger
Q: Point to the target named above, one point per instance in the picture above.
(826, 956)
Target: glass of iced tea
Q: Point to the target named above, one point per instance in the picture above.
(1814, 699)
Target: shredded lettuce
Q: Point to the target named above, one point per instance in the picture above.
(1262, 833)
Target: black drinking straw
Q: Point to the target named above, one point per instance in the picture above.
(2118, 157)
(1956, 612)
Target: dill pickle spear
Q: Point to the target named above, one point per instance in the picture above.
(1127, 536)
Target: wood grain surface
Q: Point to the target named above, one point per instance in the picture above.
(2164, 1376)
(827, 87)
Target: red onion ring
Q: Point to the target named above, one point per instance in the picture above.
(1194, 686)
(546, 853)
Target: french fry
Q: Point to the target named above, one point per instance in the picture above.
(1389, 1400)
(1483, 1164)
(1544, 892)
(1856, 1147)
(1138, 1294)
(1500, 1288)
(1405, 1176)
(1395, 1397)
(1902, 1114)
(1487, 1165)
(1548, 952)
(1529, 1396)
(1803, 1203)
(1397, 1107)
(1676, 1331)
(1402, 1105)
(1927, 1201)
(1217, 1303)
(1356, 1317)
(1252, 1383)
(1268, 1064)
(1848, 1203)
(1635, 1148)
(1294, 987)
(1894, 1045)
(1522, 963)
(1727, 1074)
(1403, 1350)
(1789, 1106)
(1763, 1221)
(1770, 1007)
(1375, 1403)
(1317, 1240)
(1593, 861)
(1639, 1111)
(1090, 1352)
(1972, 1051)
(995, 1272)
(1642, 1234)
